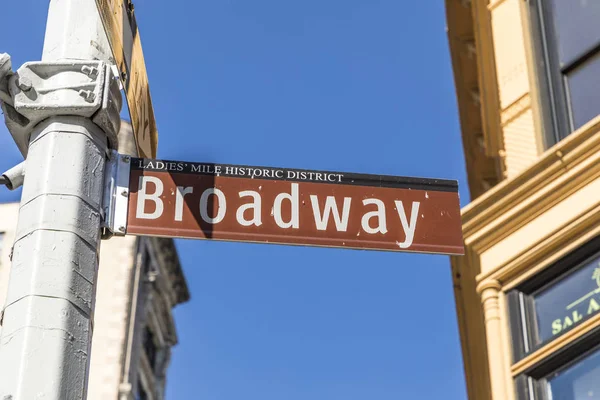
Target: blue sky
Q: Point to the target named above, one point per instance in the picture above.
(352, 85)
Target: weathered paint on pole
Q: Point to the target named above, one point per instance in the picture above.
(293, 206)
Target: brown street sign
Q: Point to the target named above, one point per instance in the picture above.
(293, 206)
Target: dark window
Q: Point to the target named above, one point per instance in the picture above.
(147, 260)
(569, 301)
(560, 379)
(149, 269)
(556, 301)
(568, 50)
(581, 380)
(150, 347)
(141, 393)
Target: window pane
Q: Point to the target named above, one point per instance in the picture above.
(576, 27)
(580, 381)
(141, 393)
(149, 347)
(582, 86)
(569, 301)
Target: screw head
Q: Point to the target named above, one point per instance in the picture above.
(88, 95)
(124, 193)
(24, 83)
(89, 70)
(121, 229)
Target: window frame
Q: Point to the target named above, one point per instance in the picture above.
(552, 94)
(151, 348)
(521, 304)
(142, 392)
(532, 384)
(556, 112)
(151, 369)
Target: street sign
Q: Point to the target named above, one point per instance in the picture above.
(121, 28)
(293, 206)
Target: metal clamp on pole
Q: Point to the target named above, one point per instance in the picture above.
(116, 195)
(43, 89)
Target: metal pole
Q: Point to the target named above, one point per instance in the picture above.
(47, 320)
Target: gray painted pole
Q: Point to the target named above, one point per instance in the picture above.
(47, 324)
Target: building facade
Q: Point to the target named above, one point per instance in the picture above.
(528, 288)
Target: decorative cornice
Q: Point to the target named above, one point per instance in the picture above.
(548, 250)
(489, 290)
(531, 205)
(489, 284)
(555, 163)
(494, 4)
(473, 66)
(164, 317)
(487, 77)
(166, 251)
(517, 108)
(125, 391)
(534, 358)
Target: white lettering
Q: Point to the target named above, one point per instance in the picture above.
(255, 206)
(143, 196)
(409, 229)
(294, 221)
(341, 222)
(179, 195)
(220, 209)
(379, 213)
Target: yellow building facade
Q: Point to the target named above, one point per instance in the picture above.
(528, 288)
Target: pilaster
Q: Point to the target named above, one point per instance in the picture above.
(489, 291)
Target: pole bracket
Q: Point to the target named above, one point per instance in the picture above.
(40, 90)
(116, 195)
